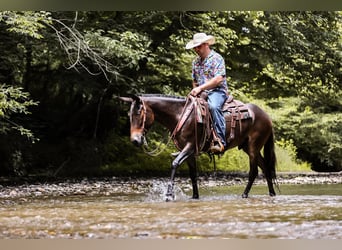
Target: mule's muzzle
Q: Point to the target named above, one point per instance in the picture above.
(137, 139)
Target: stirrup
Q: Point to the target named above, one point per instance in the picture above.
(217, 147)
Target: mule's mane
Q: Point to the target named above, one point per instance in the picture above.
(162, 95)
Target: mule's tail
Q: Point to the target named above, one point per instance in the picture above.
(270, 157)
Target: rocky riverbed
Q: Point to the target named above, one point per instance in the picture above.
(10, 188)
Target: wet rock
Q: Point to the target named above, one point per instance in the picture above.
(109, 186)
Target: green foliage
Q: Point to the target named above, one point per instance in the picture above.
(14, 101)
(135, 161)
(320, 140)
(287, 161)
(127, 47)
(27, 23)
(235, 160)
(317, 136)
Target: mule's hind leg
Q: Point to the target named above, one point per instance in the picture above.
(253, 172)
(268, 175)
(253, 169)
(256, 160)
(193, 176)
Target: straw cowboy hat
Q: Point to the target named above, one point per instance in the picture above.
(198, 39)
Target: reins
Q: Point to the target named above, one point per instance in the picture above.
(157, 151)
(187, 109)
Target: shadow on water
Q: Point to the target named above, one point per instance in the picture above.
(300, 212)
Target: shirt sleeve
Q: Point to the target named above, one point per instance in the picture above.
(193, 72)
(219, 66)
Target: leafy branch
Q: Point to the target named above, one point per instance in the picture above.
(14, 101)
(77, 49)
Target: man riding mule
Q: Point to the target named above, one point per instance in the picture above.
(252, 133)
(249, 126)
(234, 112)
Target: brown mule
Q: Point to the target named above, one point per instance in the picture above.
(247, 127)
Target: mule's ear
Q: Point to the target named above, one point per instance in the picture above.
(125, 99)
(130, 98)
(135, 98)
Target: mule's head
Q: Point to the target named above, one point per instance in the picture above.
(141, 119)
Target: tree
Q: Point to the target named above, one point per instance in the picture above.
(13, 100)
(73, 63)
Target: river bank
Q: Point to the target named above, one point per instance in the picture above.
(12, 188)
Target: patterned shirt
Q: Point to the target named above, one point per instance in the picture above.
(213, 65)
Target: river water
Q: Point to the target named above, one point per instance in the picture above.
(299, 212)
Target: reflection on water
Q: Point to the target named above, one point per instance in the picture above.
(301, 211)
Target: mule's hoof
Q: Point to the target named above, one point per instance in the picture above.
(170, 197)
(272, 194)
(244, 196)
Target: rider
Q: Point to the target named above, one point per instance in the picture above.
(209, 74)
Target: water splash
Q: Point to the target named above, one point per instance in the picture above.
(157, 192)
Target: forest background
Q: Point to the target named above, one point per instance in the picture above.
(61, 71)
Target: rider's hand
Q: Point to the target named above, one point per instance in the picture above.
(196, 91)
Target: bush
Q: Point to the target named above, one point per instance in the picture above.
(317, 136)
(134, 161)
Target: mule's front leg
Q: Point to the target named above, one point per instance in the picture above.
(170, 193)
(193, 176)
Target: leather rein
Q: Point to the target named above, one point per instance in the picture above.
(184, 116)
(158, 150)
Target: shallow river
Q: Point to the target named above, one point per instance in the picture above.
(300, 211)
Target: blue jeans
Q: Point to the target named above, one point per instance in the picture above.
(216, 100)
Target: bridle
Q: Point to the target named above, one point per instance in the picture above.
(143, 113)
(187, 109)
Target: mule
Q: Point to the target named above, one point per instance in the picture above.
(250, 132)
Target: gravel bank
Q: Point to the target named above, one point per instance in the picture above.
(108, 186)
